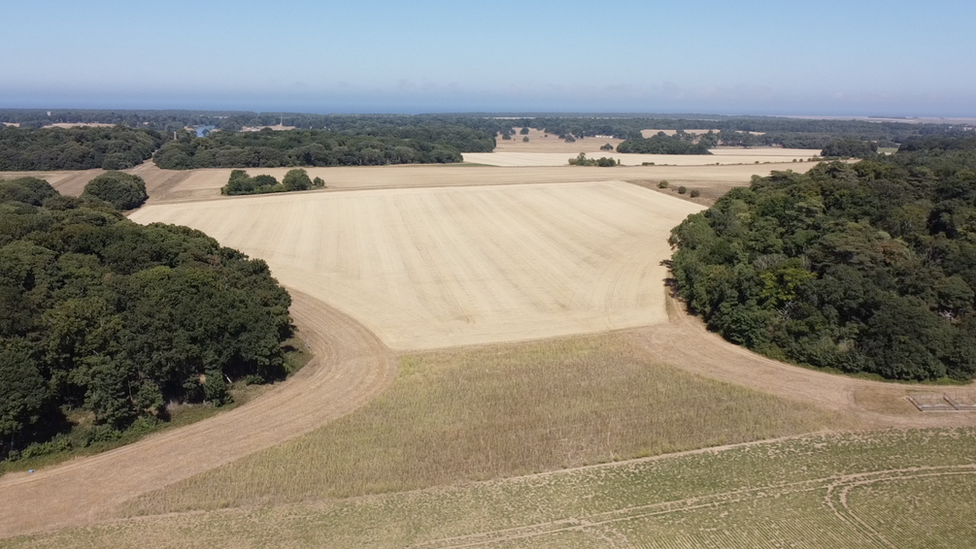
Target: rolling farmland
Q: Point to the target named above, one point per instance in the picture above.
(422, 287)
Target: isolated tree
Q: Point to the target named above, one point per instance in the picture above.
(296, 180)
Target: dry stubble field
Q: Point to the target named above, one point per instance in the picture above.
(442, 267)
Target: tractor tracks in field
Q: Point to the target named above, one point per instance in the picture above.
(350, 366)
(835, 489)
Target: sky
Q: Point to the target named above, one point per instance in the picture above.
(841, 58)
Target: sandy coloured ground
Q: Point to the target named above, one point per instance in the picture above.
(720, 155)
(441, 267)
(541, 142)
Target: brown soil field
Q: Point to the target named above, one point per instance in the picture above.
(442, 267)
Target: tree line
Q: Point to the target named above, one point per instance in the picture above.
(869, 267)
(114, 319)
(295, 180)
(661, 143)
(271, 149)
(81, 148)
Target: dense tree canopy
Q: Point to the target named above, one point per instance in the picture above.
(115, 148)
(849, 148)
(271, 149)
(295, 180)
(869, 267)
(100, 314)
(122, 190)
(664, 144)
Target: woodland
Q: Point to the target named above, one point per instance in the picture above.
(859, 268)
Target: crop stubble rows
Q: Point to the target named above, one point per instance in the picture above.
(433, 268)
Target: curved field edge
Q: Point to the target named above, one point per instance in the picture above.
(350, 367)
(500, 411)
(767, 494)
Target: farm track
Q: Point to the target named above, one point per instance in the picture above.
(350, 366)
(835, 489)
(684, 342)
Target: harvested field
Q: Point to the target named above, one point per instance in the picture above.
(195, 185)
(540, 142)
(432, 268)
(902, 489)
(499, 411)
(70, 183)
(720, 155)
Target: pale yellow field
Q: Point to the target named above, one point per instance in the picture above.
(431, 268)
(720, 155)
(194, 185)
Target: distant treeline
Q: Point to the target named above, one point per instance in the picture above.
(271, 149)
(735, 130)
(682, 143)
(83, 148)
(111, 320)
(869, 267)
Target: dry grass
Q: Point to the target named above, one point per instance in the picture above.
(540, 142)
(907, 489)
(498, 411)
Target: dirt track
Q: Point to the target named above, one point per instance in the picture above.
(684, 342)
(350, 367)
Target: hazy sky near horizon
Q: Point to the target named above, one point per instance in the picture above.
(853, 57)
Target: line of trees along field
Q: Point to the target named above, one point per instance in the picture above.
(112, 319)
(80, 148)
(867, 267)
(295, 180)
(271, 149)
(681, 143)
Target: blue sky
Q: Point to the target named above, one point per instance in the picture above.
(744, 57)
